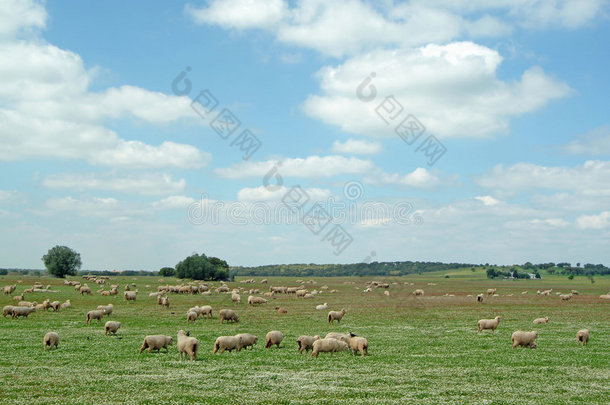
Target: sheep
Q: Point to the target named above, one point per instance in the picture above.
(8, 290)
(157, 342)
(605, 296)
(165, 302)
(235, 298)
(105, 293)
(419, 292)
(491, 291)
(541, 320)
(44, 306)
(336, 316)
(7, 310)
(191, 316)
(306, 343)
(95, 314)
(107, 309)
(21, 311)
(229, 343)
(264, 281)
(55, 305)
(85, 290)
(205, 310)
(274, 337)
(322, 306)
(130, 295)
(19, 297)
(357, 343)
(565, 297)
(247, 339)
(328, 345)
(583, 336)
(187, 345)
(114, 291)
(525, 339)
(27, 304)
(228, 315)
(66, 305)
(111, 327)
(386, 293)
(480, 298)
(339, 336)
(574, 292)
(301, 293)
(50, 340)
(252, 300)
(488, 324)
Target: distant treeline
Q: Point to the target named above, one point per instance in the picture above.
(354, 269)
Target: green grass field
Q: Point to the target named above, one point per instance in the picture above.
(424, 350)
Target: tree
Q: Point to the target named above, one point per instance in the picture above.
(491, 273)
(3, 272)
(167, 272)
(61, 261)
(199, 267)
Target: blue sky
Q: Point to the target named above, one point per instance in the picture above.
(99, 153)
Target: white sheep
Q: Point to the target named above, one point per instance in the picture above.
(107, 309)
(538, 321)
(306, 343)
(322, 306)
(328, 345)
(583, 336)
(336, 316)
(111, 327)
(21, 311)
(274, 337)
(525, 339)
(419, 292)
(253, 300)
(7, 310)
(187, 345)
(206, 311)
(229, 343)
(96, 314)
(191, 316)
(488, 324)
(228, 315)
(156, 342)
(339, 336)
(66, 304)
(357, 343)
(50, 340)
(130, 295)
(247, 339)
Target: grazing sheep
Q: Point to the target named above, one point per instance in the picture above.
(306, 343)
(27, 304)
(228, 315)
(105, 293)
(66, 305)
(85, 290)
(191, 316)
(107, 309)
(281, 310)
(339, 336)
(323, 306)
(525, 339)
(252, 300)
(488, 324)
(247, 339)
(541, 320)
(336, 316)
(8, 290)
(111, 327)
(328, 345)
(7, 310)
(96, 314)
(583, 336)
(565, 297)
(357, 343)
(264, 281)
(21, 311)
(274, 337)
(130, 295)
(419, 292)
(480, 298)
(205, 310)
(156, 342)
(235, 298)
(55, 305)
(491, 291)
(301, 293)
(50, 340)
(187, 345)
(229, 343)
(19, 297)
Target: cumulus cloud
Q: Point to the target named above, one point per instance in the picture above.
(599, 221)
(17, 16)
(357, 147)
(419, 177)
(240, 14)
(451, 89)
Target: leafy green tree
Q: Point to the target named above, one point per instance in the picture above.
(3, 272)
(167, 272)
(200, 267)
(61, 261)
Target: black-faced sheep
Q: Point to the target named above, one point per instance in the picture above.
(525, 339)
(50, 340)
(187, 345)
(156, 342)
(274, 337)
(336, 316)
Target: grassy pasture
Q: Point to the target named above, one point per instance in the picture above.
(423, 350)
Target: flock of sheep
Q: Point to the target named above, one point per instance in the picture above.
(189, 346)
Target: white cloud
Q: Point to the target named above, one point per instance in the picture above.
(593, 143)
(487, 200)
(590, 179)
(145, 184)
(600, 221)
(173, 202)
(262, 193)
(20, 15)
(552, 222)
(240, 14)
(310, 167)
(357, 147)
(451, 89)
(419, 177)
